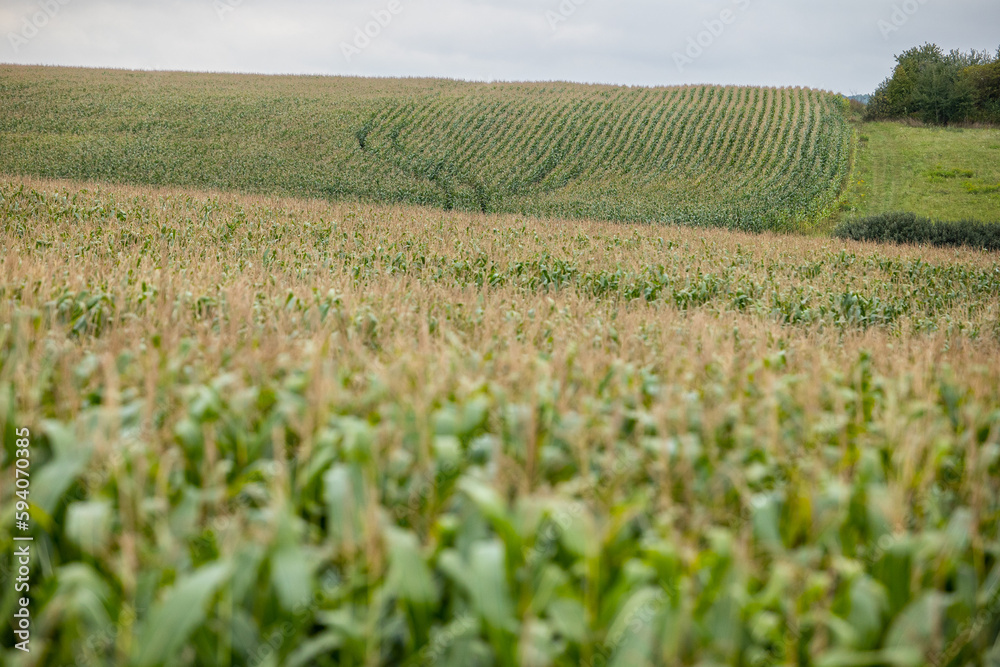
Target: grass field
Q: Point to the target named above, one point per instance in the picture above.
(941, 173)
(746, 158)
(281, 432)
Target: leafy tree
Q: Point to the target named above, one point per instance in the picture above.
(985, 83)
(941, 96)
(985, 79)
(939, 87)
(962, 59)
(894, 98)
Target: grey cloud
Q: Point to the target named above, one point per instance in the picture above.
(824, 44)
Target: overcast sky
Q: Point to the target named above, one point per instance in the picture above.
(841, 45)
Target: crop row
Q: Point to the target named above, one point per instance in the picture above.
(741, 157)
(750, 158)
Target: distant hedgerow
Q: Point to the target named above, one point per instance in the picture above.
(909, 228)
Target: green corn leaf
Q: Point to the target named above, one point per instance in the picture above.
(488, 583)
(69, 462)
(309, 651)
(569, 619)
(180, 611)
(408, 574)
(345, 500)
(919, 625)
(88, 525)
(291, 571)
(632, 634)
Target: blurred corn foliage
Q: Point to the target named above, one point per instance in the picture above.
(270, 432)
(740, 157)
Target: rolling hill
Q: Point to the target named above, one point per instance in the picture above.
(747, 158)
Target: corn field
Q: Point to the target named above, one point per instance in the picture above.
(744, 158)
(283, 432)
(747, 158)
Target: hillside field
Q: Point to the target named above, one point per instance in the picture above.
(746, 158)
(278, 432)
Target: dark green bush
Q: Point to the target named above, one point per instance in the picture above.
(909, 228)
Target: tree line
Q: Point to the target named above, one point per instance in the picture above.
(940, 88)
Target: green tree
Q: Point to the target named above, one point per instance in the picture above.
(941, 96)
(964, 59)
(939, 87)
(894, 98)
(985, 82)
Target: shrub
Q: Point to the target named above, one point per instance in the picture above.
(909, 228)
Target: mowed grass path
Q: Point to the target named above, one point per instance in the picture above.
(749, 158)
(926, 171)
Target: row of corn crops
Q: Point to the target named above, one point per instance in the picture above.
(747, 158)
(741, 157)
